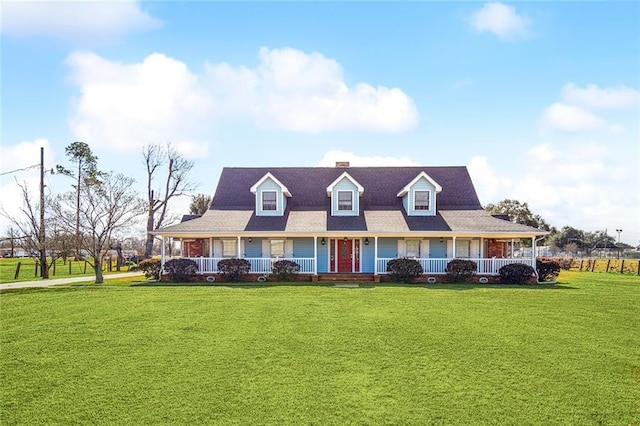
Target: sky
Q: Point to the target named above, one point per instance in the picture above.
(540, 100)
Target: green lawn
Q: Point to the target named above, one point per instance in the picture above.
(435, 354)
(62, 269)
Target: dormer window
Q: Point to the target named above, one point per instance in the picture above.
(345, 200)
(345, 193)
(421, 200)
(269, 200)
(419, 196)
(271, 196)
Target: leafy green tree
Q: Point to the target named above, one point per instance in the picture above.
(519, 213)
(199, 204)
(85, 172)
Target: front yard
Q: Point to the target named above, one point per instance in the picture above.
(431, 354)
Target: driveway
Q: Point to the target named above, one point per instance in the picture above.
(71, 280)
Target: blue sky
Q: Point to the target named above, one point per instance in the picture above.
(539, 100)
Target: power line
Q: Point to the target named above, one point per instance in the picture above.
(20, 170)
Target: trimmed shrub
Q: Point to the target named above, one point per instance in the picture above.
(460, 270)
(151, 268)
(234, 270)
(548, 269)
(181, 270)
(565, 263)
(516, 273)
(404, 270)
(285, 270)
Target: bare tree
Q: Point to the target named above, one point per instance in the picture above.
(199, 204)
(27, 232)
(167, 165)
(108, 207)
(12, 239)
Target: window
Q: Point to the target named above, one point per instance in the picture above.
(463, 248)
(229, 248)
(269, 200)
(277, 248)
(421, 200)
(412, 248)
(345, 200)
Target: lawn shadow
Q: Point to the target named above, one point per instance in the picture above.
(358, 285)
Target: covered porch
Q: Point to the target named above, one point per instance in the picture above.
(365, 254)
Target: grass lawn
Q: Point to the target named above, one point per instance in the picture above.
(70, 268)
(436, 354)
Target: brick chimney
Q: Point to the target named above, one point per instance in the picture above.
(342, 164)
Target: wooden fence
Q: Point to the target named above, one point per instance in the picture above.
(622, 266)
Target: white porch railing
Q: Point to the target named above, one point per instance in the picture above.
(259, 265)
(437, 266)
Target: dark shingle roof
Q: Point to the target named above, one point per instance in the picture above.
(309, 208)
(308, 186)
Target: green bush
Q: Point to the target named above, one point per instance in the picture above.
(285, 270)
(181, 270)
(460, 270)
(151, 268)
(234, 270)
(404, 270)
(516, 273)
(548, 269)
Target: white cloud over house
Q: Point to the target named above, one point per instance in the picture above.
(332, 157)
(580, 184)
(500, 20)
(126, 106)
(77, 21)
(576, 112)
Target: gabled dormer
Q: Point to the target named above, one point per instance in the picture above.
(345, 193)
(271, 196)
(419, 196)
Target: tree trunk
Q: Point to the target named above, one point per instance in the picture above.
(97, 267)
(148, 249)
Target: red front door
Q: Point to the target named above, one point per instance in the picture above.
(345, 255)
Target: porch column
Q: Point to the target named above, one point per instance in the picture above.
(162, 253)
(315, 255)
(210, 247)
(238, 248)
(533, 251)
(453, 247)
(512, 244)
(375, 255)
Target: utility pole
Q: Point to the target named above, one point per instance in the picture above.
(618, 231)
(44, 271)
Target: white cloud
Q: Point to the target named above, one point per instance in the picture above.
(571, 118)
(580, 184)
(501, 20)
(488, 184)
(17, 165)
(332, 157)
(594, 97)
(76, 20)
(126, 106)
(575, 112)
(305, 92)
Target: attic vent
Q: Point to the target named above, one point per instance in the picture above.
(342, 164)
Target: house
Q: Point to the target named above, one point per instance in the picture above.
(348, 220)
